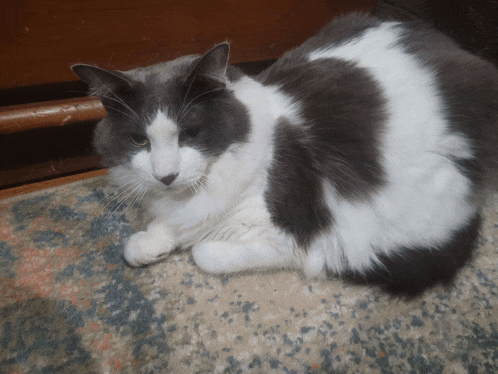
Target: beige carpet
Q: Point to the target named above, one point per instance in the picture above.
(68, 304)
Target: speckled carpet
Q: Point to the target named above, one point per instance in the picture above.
(68, 304)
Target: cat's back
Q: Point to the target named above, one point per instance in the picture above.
(389, 52)
(396, 134)
(361, 38)
(392, 89)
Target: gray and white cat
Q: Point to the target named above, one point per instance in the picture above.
(363, 153)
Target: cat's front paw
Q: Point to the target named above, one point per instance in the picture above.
(147, 247)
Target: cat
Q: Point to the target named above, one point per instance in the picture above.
(364, 153)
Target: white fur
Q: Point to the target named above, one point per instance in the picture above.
(226, 220)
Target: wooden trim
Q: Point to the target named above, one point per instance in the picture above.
(51, 183)
(50, 169)
(51, 113)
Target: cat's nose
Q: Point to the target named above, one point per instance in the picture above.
(167, 180)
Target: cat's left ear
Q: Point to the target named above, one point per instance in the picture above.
(101, 81)
(212, 66)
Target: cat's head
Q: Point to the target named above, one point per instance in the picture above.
(167, 123)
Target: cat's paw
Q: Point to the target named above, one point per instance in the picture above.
(147, 247)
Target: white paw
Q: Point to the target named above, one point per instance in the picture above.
(146, 247)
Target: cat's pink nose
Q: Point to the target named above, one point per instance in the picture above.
(167, 180)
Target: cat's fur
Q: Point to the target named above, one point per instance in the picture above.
(363, 153)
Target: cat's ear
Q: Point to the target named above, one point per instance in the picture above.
(101, 81)
(212, 66)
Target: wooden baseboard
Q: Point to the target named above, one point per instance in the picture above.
(50, 183)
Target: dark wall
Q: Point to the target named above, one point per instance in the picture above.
(472, 23)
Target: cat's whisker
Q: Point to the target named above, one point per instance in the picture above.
(193, 188)
(136, 184)
(184, 99)
(193, 106)
(110, 198)
(140, 193)
(202, 185)
(143, 196)
(113, 212)
(134, 114)
(108, 219)
(118, 99)
(199, 186)
(148, 119)
(122, 102)
(123, 113)
(202, 94)
(125, 187)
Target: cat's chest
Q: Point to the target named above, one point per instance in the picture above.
(209, 219)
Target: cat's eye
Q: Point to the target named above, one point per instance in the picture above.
(189, 133)
(139, 140)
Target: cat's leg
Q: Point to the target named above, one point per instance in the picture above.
(226, 257)
(146, 247)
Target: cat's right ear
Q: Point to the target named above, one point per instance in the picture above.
(101, 81)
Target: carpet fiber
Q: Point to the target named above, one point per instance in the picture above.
(69, 304)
